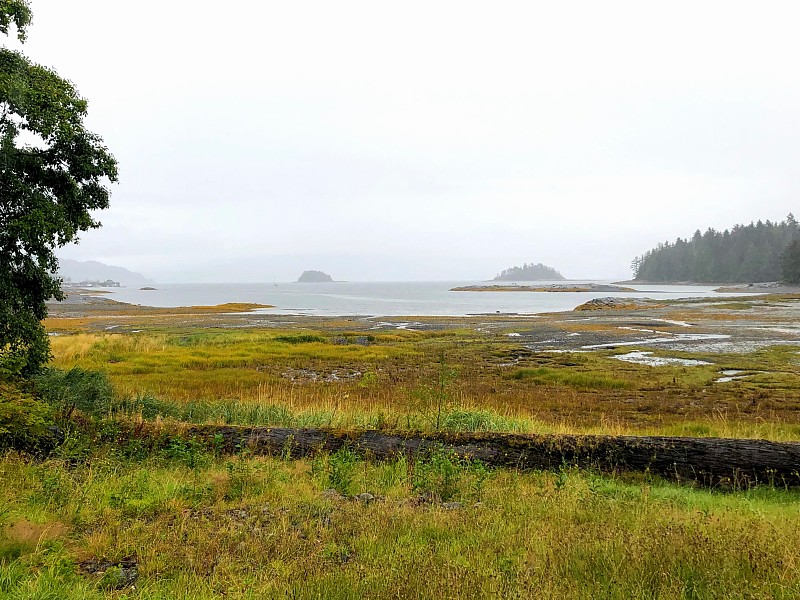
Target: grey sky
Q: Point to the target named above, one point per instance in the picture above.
(426, 140)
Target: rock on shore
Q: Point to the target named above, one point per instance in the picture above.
(612, 303)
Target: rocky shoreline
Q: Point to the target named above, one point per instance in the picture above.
(767, 287)
(762, 287)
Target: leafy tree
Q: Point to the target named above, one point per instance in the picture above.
(17, 12)
(53, 172)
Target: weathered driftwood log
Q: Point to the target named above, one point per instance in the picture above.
(708, 461)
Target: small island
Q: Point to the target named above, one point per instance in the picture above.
(537, 272)
(314, 277)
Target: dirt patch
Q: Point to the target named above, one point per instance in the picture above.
(308, 376)
(25, 532)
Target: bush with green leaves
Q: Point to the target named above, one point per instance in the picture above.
(338, 470)
(88, 391)
(191, 453)
(24, 421)
(444, 475)
(437, 475)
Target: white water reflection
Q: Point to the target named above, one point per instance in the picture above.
(673, 338)
(647, 358)
(729, 375)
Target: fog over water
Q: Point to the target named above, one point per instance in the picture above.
(426, 140)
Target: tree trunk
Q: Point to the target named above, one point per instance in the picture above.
(708, 461)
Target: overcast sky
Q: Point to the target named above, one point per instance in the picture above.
(426, 140)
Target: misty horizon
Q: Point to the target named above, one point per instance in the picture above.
(378, 144)
(254, 278)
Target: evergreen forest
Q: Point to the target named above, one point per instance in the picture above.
(758, 252)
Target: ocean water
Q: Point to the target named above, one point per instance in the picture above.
(432, 298)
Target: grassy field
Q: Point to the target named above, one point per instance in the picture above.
(111, 516)
(192, 525)
(402, 378)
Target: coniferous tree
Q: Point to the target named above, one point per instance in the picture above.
(746, 253)
(790, 263)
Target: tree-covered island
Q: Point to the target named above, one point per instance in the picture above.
(314, 277)
(532, 272)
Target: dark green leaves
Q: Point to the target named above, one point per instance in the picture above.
(17, 12)
(53, 173)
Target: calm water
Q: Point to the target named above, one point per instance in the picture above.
(384, 298)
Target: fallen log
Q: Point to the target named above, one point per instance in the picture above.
(707, 461)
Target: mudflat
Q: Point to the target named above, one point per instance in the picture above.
(728, 325)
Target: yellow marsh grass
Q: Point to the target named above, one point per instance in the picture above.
(396, 376)
(91, 347)
(68, 325)
(215, 365)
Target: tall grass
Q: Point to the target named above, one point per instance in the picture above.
(261, 527)
(389, 380)
(563, 377)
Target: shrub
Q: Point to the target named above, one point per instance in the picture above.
(444, 475)
(338, 469)
(191, 453)
(437, 475)
(24, 422)
(88, 391)
(300, 338)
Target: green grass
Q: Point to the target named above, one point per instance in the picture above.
(202, 525)
(261, 527)
(544, 375)
(383, 379)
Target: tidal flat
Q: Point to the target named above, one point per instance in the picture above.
(557, 371)
(115, 514)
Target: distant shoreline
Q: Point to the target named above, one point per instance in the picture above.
(90, 300)
(773, 287)
(556, 287)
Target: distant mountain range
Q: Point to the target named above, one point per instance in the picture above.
(92, 270)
